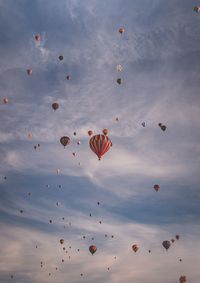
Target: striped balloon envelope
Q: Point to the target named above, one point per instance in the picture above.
(100, 144)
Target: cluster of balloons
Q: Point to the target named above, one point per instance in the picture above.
(167, 244)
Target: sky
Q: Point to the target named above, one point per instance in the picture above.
(159, 52)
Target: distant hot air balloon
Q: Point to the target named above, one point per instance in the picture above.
(61, 241)
(29, 71)
(163, 128)
(121, 30)
(100, 144)
(197, 9)
(135, 248)
(177, 237)
(92, 249)
(143, 124)
(55, 106)
(65, 141)
(119, 81)
(105, 132)
(172, 240)
(119, 68)
(5, 100)
(37, 37)
(78, 142)
(183, 279)
(60, 57)
(156, 187)
(68, 77)
(90, 132)
(166, 244)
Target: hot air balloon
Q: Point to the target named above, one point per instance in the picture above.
(92, 249)
(119, 81)
(119, 68)
(197, 9)
(78, 142)
(65, 141)
(60, 57)
(163, 128)
(29, 71)
(90, 132)
(61, 241)
(37, 37)
(105, 132)
(135, 248)
(177, 237)
(55, 106)
(156, 187)
(74, 133)
(143, 124)
(121, 30)
(68, 77)
(172, 240)
(100, 144)
(183, 279)
(5, 100)
(166, 244)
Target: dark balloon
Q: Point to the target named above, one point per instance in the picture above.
(166, 244)
(92, 249)
(65, 141)
(37, 37)
(135, 248)
(119, 81)
(177, 237)
(61, 57)
(29, 71)
(55, 106)
(156, 187)
(68, 77)
(163, 128)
